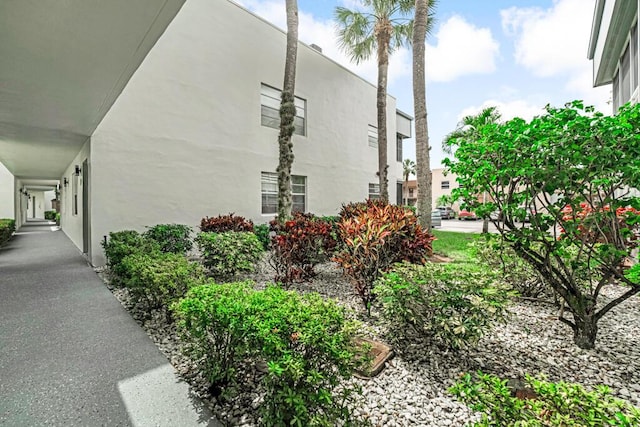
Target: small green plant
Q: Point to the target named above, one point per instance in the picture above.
(542, 403)
(121, 244)
(172, 238)
(159, 279)
(7, 228)
(262, 232)
(227, 254)
(50, 215)
(456, 304)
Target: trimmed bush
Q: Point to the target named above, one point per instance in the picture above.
(122, 244)
(7, 228)
(159, 279)
(227, 254)
(225, 223)
(374, 237)
(172, 238)
(262, 232)
(298, 246)
(543, 404)
(455, 304)
(50, 215)
(305, 341)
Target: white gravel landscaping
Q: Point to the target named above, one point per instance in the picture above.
(412, 389)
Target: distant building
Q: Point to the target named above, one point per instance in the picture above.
(442, 185)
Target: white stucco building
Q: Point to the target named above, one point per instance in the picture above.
(613, 48)
(153, 112)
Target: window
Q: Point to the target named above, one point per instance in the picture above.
(411, 192)
(373, 136)
(616, 93)
(270, 110)
(269, 190)
(633, 43)
(74, 193)
(398, 148)
(444, 185)
(399, 196)
(374, 191)
(625, 77)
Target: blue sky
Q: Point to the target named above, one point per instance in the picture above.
(516, 55)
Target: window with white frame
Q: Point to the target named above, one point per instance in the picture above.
(398, 147)
(444, 185)
(372, 134)
(270, 99)
(374, 191)
(269, 192)
(625, 79)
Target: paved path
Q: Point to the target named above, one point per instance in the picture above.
(69, 353)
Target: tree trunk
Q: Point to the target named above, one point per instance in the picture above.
(585, 331)
(287, 114)
(383, 34)
(485, 225)
(423, 167)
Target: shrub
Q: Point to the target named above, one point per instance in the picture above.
(227, 254)
(456, 304)
(298, 246)
(498, 255)
(50, 215)
(7, 228)
(547, 404)
(172, 238)
(225, 223)
(305, 341)
(374, 239)
(262, 232)
(58, 218)
(355, 209)
(121, 244)
(212, 319)
(159, 279)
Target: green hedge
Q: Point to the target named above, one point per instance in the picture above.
(50, 215)
(121, 244)
(305, 341)
(7, 227)
(229, 253)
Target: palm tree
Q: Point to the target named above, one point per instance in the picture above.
(287, 114)
(385, 26)
(423, 23)
(470, 128)
(408, 168)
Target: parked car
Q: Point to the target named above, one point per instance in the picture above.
(446, 212)
(467, 215)
(436, 219)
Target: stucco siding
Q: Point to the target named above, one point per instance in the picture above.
(184, 138)
(6, 193)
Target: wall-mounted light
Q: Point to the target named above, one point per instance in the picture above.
(65, 182)
(78, 170)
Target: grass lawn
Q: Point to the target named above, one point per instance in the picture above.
(454, 245)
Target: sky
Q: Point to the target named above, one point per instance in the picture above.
(516, 55)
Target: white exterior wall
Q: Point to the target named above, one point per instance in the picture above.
(7, 199)
(184, 139)
(48, 197)
(71, 223)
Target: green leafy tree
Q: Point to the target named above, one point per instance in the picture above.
(423, 22)
(380, 29)
(578, 168)
(408, 168)
(287, 114)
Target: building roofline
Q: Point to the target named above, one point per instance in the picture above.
(403, 114)
(595, 27)
(233, 2)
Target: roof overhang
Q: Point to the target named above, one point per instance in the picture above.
(64, 63)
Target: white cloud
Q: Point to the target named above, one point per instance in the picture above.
(461, 49)
(508, 109)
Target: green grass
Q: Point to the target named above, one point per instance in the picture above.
(454, 245)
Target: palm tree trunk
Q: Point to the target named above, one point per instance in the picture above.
(287, 114)
(383, 33)
(423, 168)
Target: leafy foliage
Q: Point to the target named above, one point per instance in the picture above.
(50, 215)
(374, 238)
(549, 404)
(456, 303)
(122, 244)
(298, 245)
(576, 168)
(158, 279)
(305, 341)
(7, 227)
(224, 223)
(172, 238)
(229, 253)
(262, 232)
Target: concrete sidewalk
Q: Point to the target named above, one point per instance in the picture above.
(70, 354)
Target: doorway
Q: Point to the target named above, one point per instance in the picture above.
(33, 206)
(85, 207)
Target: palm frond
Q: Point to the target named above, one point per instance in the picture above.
(355, 34)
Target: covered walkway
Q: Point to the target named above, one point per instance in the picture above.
(69, 352)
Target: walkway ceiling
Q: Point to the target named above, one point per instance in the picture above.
(64, 63)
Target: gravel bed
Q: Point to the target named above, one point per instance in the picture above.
(412, 389)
